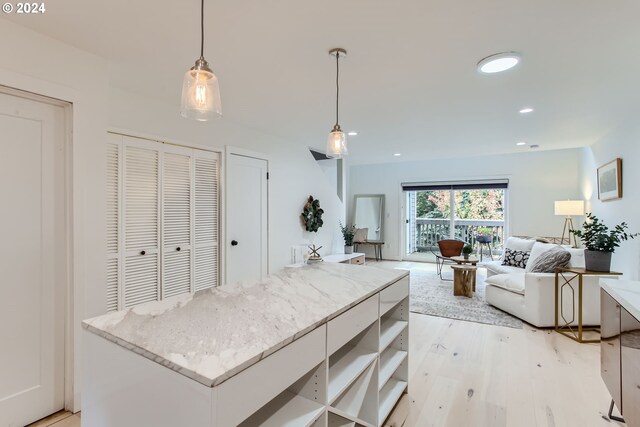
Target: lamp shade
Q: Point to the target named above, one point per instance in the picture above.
(200, 95)
(337, 144)
(569, 207)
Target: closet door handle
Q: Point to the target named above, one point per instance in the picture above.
(234, 243)
(178, 249)
(143, 252)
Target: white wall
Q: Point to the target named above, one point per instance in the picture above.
(294, 174)
(39, 64)
(623, 142)
(536, 180)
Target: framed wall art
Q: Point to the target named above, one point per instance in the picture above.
(610, 180)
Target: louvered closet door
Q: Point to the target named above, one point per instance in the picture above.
(206, 165)
(114, 147)
(177, 208)
(141, 219)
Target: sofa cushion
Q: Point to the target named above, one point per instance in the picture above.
(577, 258)
(510, 282)
(550, 260)
(537, 250)
(496, 267)
(515, 258)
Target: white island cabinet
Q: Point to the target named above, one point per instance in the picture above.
(324, 345)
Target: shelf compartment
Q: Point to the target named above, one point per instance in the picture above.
(390, 361)
(346, 365)
(286, 410)
(342, 418)
(389, 331)
(389, 396)
(359, 399)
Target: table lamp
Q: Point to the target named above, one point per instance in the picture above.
(569, 208)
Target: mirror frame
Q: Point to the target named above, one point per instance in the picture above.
(382, 211)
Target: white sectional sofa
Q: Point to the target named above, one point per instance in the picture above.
(531, 296)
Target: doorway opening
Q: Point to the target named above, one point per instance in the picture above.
(474, 212)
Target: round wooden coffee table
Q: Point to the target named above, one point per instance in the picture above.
(462, 260)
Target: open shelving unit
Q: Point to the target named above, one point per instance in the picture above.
(394, 357)
(301, 405)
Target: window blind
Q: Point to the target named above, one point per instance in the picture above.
(456, 185)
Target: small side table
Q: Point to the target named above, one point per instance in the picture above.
(567, 277)
(464, 280)
(462, 260)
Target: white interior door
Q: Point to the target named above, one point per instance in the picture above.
(32, 260)
(247, 201)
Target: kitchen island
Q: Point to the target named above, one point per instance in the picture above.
(315, 346)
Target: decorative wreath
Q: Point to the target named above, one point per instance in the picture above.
(312, 214)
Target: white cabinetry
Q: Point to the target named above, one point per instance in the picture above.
(162, 220)
(350, 370)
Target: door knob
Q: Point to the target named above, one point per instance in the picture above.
(178, 249)
(234, 243)
(142, 252)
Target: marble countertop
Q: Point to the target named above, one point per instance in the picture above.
(216, 333)
(626, 292)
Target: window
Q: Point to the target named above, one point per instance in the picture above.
(458, 210)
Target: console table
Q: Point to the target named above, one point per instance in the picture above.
(322, 345)
(354, 258)
(620, 347)
(571, 277)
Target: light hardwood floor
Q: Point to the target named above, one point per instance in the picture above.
(465, 374)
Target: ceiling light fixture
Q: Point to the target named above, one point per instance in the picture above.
(526, 110)
(521, 143)
(337, 142)
(352, 133)
(397, 154)
(200, 90)
(498, 62)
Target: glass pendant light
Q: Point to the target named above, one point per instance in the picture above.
(200, 91)
(337, 142)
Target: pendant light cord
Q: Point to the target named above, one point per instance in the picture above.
(202, 29)
(337, 87)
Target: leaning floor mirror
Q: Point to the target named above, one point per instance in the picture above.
(368, 212)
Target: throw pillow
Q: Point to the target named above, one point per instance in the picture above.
(550, 260)
(537, 250)
(361, 235)
(518, 244)
(515, 258)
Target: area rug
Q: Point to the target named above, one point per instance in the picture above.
(432, 296)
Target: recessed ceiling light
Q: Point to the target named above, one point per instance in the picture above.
(498, 62)
(397, 154)
(521, 143)
(352, 133)
(526, 110)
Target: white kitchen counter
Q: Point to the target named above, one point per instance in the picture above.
(626, 292)
(215, 334)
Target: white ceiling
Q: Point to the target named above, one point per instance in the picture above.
(409, 83)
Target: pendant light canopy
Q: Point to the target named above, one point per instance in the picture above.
(337, 142)
(200, 90)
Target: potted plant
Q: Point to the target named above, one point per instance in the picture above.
(348, 233)
(600, 242)
(484, 235)
(466, 251)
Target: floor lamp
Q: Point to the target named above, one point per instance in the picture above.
(569, 208)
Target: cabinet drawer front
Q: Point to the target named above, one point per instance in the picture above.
(358, 260)
(392, 295)
(351, 323)
(245, 393)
